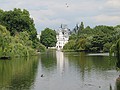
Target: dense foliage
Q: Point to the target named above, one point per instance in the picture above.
(97, 39)
(48, 37)
(69, 45)
(18, 20)
(116, 49)
(19, 45)
(18, 36)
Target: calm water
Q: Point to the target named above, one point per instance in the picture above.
(61, 71)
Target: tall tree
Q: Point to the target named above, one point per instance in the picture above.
(81, 27)
(18, 20)
(48, 37)
(75, 30)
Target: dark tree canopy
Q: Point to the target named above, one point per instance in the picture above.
(48, 37)
(18, 20)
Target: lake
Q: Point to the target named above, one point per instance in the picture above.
(55, 70)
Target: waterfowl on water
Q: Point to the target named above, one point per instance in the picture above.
(42, 75)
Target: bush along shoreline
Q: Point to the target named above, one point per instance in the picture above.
(17, 46)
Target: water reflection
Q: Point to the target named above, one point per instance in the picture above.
(117, 83)
(92, 70)
(110, 87)
(89, 64)
(61, 70)
(62, 61)
(48, 60)
(118, 79)
(75, 71)
(118, 64)
(18, 74)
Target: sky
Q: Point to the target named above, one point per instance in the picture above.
(53, 13)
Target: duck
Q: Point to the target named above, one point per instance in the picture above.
(42, 75)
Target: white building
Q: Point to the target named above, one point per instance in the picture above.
(62, 37)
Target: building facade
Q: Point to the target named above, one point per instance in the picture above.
(62, 37)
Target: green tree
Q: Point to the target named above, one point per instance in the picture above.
(80, 44)
(107, 46)
(73, 37)
(70, 45)
(75, 30)
(81, 27)
(41, 48)
(5, 40)
(19, 45)
(18, 21)
(115, 48)
(48, 37)
(97, 43)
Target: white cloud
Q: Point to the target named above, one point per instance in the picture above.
(52, 13)
(113, 3)
(106, 19)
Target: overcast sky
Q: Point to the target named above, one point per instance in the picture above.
(53, 13)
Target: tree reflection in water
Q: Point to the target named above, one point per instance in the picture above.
(18, 74)
(110, 87)
(118, 79)
(118, 83)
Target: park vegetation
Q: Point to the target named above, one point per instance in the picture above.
(48, 37)
(18, 35)
(98, 39)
